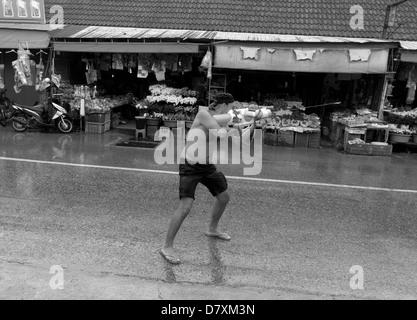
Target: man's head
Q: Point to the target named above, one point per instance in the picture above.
(223, 103)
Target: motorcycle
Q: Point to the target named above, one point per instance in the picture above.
(48, 115)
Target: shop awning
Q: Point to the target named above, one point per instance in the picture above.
(35, 39)
(124, 47)
(409, 52)
(303, 58)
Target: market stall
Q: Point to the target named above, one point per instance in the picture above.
(165, 107)
(360, 132)
(291, 126)
(403, 129)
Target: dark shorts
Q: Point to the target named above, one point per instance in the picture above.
(206, 174)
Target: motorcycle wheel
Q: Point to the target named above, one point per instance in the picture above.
(19, 127)
(65, 125)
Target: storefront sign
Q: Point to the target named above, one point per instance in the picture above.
(304, 59)
(23, 11)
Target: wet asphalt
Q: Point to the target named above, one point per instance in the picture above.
(80, 202)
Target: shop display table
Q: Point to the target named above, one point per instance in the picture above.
(368, 133)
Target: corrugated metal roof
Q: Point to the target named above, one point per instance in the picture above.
(409, 45)
(98, 32)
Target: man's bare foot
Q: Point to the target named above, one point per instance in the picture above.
(218, 235)
(170, 255)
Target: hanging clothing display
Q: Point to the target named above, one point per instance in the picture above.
(132, 64)
(118, 61)
(22, 67)
(91, 74)
(146, 61)
(185, 63)
(159, 67)
(360, 55)
(106, 62)
(250, 53)
(305, 54)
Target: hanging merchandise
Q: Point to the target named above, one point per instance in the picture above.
(32, 78)
(146, 60)
(411, 93)
(40, 69)
(2, 86)
(55, 78)
(185, 62)
(171, 61)
(106, 62)
(142, 73)
(132, 64)
(91, 74)
(22, 69)
(159, 67)
(207, 64)
(118, 61)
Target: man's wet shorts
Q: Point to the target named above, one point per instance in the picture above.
(206, 174)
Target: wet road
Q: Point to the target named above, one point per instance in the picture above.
(298, 228)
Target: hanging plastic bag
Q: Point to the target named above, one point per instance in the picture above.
(207, 60)
(56, 79)
(20, 76)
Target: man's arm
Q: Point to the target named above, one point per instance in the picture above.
(216, 122)
(213, 122)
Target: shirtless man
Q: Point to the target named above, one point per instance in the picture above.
(191, 174)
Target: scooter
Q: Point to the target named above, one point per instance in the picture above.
(48, 115)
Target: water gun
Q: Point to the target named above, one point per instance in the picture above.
(243, 120)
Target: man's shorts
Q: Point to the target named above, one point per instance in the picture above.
(207, 174)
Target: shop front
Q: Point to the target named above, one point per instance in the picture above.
(401, 105)
(310, 82)
(126, 74)
(23, 39)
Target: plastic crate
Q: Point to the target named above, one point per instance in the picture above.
(301, 139)
(98, 117)
(314, 140)
(92, 127)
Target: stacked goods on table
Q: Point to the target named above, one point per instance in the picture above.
(402, 125)
(360, 132)
(290, 126)
(97, 110)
